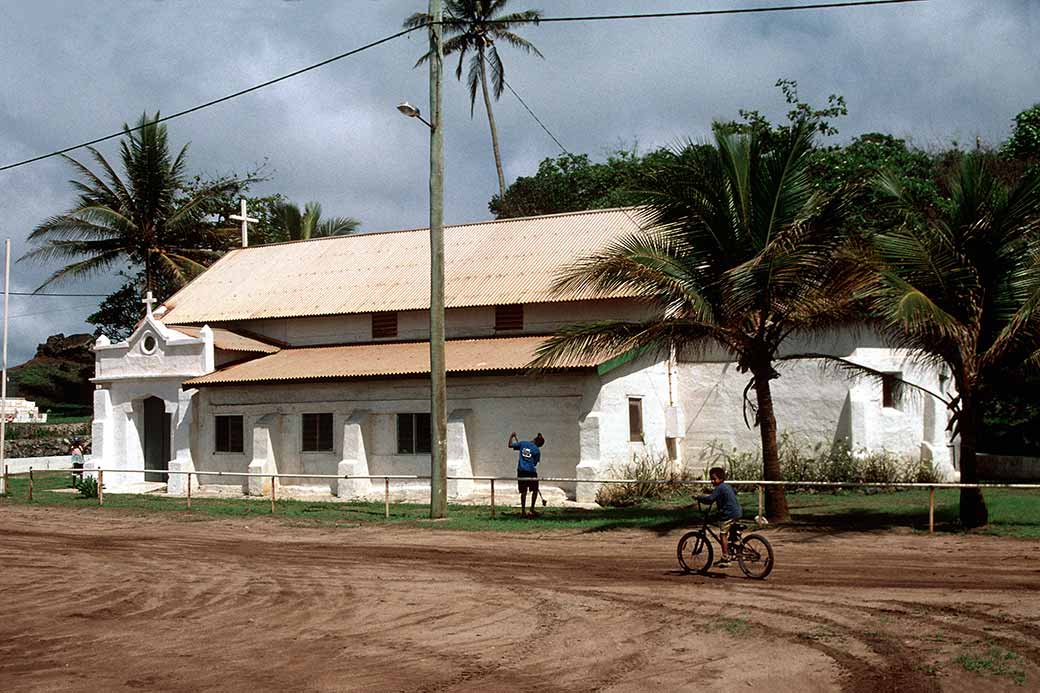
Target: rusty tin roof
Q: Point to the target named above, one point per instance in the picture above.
(367, 360)
(487, 263)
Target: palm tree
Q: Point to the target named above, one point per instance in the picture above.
(297, 226)
(960, 282)
(473, 27)
(142, 217)
(737, 250)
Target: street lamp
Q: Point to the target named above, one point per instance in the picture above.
(438, 391)
(412, 112)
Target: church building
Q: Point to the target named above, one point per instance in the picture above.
(312, 357)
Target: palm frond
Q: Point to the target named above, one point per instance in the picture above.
(78, 270)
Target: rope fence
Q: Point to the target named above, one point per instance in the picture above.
(387, 478)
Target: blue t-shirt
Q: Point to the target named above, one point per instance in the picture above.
(530, 456)
(729, 506)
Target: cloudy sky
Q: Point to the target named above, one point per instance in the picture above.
(69, 71)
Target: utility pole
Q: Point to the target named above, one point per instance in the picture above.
(3, 382)
(438, 385)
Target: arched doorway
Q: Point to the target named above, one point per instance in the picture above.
(155, 440)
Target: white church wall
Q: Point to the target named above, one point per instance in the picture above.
(152, 362)
(605, 405)
(479, 321)
(498, 405)
(818, 405)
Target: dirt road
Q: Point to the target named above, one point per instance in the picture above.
(111, 601)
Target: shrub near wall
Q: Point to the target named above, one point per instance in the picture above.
(645, 470)
(801, 461)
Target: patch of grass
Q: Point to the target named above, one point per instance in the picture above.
(1012, 513)
(995, 661)
(737, 627)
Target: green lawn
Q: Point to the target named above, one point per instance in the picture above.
(1012, 513)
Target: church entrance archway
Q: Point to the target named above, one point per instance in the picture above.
(156, 439)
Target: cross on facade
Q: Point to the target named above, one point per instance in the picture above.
(245, 219)
(148, 301)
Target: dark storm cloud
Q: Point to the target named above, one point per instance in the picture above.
(72, 71)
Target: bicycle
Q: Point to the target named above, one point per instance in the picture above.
(753, 552)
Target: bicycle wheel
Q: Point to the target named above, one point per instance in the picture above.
(694, 552)
(755, 556)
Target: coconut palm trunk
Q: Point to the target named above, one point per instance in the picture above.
(494, 129)
(973, 511)
(776, 498)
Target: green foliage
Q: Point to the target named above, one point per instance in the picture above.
(996, 661)
(572, 182)
(817, 119)
(644, 469)
(959, 283)
(1024, 142)
(149, 215)
(86, 485)
(52, 384)
(836, 463)
(290, 224)
(1014, 513)
(476, 28)
(851, 165)
(118, 315)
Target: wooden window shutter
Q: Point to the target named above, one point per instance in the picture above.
(509, 317)
(384, 325)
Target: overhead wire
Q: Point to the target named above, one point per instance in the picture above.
(214, 102)
(541, 20)
(706, 13)
(33, 293)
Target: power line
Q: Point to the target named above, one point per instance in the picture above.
(48, 312)
(536, 118)
(705, 13)
(33, 293)
(542, 20)
(214, 102)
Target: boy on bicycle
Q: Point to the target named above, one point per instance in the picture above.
(729, 509)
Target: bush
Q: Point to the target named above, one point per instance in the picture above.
(800, 461)
(86, 485)
(644, 470)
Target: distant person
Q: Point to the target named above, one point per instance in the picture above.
(76, 455)
(527, 469)
(730, 511)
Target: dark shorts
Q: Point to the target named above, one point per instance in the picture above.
(527, 481)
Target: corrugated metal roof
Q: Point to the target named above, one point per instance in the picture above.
(489, 263)
(362, 360)
(228, 340)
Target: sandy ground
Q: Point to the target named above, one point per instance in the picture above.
(112, 601)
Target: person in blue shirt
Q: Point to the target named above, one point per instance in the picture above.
(729, 508)
(527, 469)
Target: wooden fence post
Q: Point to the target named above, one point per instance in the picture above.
(386, 495)
(492, 499)
(761, 504)
(7, 483)
(30, 484)
(101, 487)
(931, 510)
(189, 491)
(272, 495)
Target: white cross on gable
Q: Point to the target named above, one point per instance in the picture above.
(148, 301)
(245, 219)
